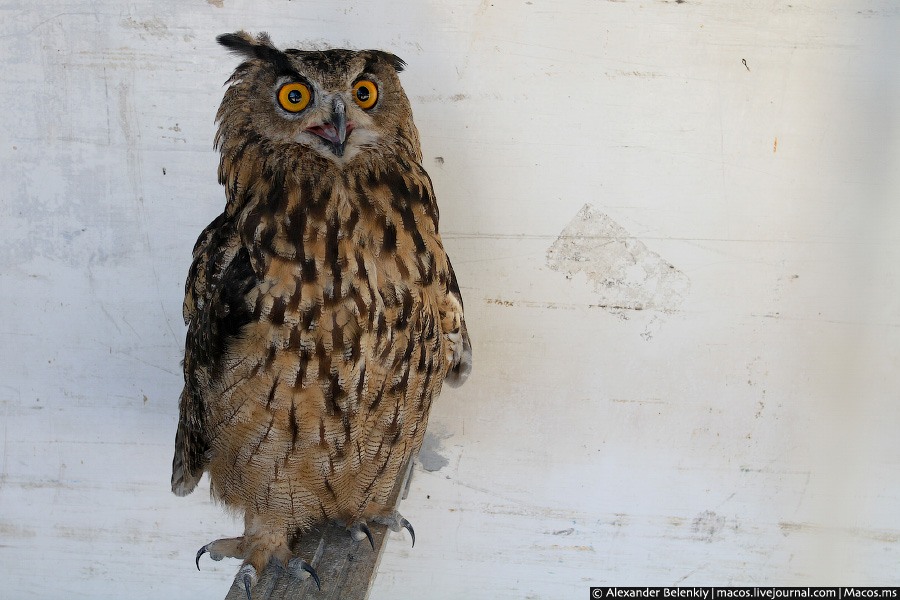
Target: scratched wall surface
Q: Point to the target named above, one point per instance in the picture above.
(677, 232)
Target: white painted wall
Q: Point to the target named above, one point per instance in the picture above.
(741, 429)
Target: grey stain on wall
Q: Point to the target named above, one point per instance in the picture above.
(429, 455)
(626, 275)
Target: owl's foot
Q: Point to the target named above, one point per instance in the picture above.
(396, 522)
(360, 531)
(247, 575)
(459, 357)
(297, 568)
(219, 549)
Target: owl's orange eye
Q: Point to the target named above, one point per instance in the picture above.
(365, 93)
(294, 97)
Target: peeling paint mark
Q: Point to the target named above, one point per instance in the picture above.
(557, 547)
(441, 98)
(652, 327)
(647, 401)
(888, 536)
(643, 74)
(216, 3)
(155, 26)
(556, 305)
(788, 528)
(621, 520)
(707, 525)
(623, 271)
(11, 530)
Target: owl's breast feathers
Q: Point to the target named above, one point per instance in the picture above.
(323, 316)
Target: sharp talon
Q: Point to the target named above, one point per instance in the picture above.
(409, 528)
(365, 529)
(246, 575)
(308, 568)
(247, 585)
(200, 553)
(302, 565)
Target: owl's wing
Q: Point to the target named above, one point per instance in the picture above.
(219, 279)
(454, 322)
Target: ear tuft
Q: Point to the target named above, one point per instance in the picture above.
(392, 59)
(241, 42)
(399, 63)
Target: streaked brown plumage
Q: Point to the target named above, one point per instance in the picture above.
(323, 314)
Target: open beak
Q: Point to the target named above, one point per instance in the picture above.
(336, 130)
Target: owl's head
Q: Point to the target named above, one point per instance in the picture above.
(338, 103)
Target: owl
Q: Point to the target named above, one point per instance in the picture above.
(323, 313)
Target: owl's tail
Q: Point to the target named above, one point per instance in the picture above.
(187, 464)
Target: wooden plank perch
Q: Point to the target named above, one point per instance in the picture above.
(346, 568)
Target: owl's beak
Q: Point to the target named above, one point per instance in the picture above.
(336, 131)
(339, 120)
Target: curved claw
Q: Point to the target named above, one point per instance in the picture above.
(365, 529)
(304, 566)
(247, 583)
(246, 575)
(309, 569)
(412, 532)
(200, 553)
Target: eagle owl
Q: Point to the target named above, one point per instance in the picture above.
(323, 314)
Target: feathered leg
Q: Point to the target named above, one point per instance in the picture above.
(259, 545)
